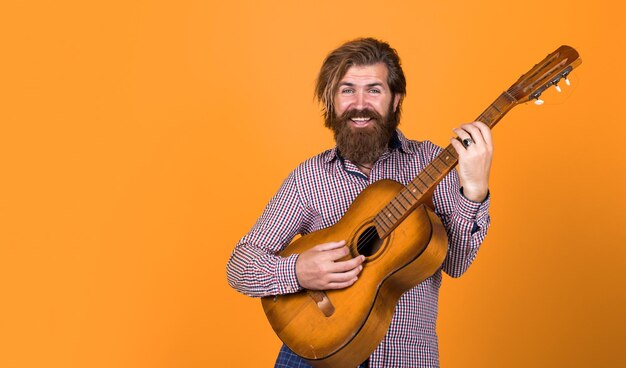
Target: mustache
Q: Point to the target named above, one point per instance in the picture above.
(364, 113)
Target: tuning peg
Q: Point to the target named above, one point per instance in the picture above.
(539, 101)
(567, 82)
(558, 89)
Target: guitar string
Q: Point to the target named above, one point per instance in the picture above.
(367, 236)
(371, 233)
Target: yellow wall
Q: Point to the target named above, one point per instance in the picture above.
(140, 140)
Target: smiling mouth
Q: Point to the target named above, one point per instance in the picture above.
(361, 122)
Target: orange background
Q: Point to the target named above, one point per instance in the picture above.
(140, 140)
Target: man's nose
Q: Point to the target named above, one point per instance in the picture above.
(360, 100)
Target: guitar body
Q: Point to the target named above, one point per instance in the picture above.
(336, 328)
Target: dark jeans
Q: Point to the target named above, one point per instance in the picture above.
(289, 359)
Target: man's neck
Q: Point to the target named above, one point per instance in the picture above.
(365, 168)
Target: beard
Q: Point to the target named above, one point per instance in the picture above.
(363, 145)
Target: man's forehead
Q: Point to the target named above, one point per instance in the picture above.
(366, 73)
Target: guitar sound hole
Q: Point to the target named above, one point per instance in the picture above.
(369, 242)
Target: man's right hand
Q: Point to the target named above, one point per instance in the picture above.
(318, 268)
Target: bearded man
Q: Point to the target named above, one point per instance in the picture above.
(361, 86)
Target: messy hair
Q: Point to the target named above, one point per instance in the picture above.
(359, 52)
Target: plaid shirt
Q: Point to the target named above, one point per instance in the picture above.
(316, 195)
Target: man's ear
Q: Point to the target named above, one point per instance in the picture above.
(396, 101)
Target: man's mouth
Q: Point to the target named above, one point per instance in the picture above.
(361, 122)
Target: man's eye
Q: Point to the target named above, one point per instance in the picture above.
(374, 91)
(347, 91)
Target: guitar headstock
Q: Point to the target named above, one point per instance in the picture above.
(547, 73)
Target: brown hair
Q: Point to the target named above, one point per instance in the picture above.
(359, 52)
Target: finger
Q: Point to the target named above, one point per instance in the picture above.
(335, 254)
(330, 245)
(349, 265)
(340, 285)
(463, 135)
(344, 276)
(458, 147)
(485, 131)
(475, 133)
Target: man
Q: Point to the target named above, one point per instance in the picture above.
(361, 86)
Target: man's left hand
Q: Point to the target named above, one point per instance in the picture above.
(474, 159)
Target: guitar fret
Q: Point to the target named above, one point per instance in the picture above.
(408, 200)
(415, 189)
(401, 205)
(393, 206)
(385, 219)
(433, 168)
(485, 119)
(452, 152)
(428, 174)
(399, 202)
(379, 221)
(444, 161)
(509, 98)
(381, 227)
(381, 224)
(423, 190)
(497, 109)
(389, 216)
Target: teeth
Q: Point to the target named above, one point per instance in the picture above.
(360, 119)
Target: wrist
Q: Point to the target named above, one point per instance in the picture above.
(477, 195)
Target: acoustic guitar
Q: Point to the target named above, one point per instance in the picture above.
(403, 242)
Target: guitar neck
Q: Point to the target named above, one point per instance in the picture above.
(422, 187)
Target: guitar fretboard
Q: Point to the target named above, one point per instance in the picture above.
(421, 188)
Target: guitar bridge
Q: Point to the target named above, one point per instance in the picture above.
(323, 303)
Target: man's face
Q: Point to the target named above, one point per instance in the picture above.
(365, 87)
(364, 113)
